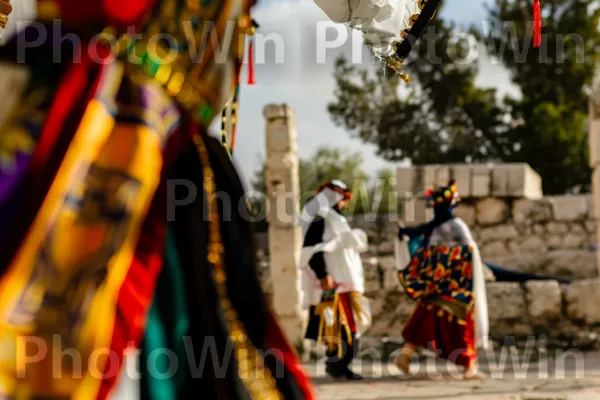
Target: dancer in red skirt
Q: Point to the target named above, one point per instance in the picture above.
(445, 277)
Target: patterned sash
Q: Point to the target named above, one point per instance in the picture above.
(442, 272)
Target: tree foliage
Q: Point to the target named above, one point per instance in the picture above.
(444, 117)
(369, 195)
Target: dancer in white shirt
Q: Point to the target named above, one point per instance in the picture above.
(333, 280)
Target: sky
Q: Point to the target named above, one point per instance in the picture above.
(308, 88)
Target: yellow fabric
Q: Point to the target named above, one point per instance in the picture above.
(71, 238)
(330, 334)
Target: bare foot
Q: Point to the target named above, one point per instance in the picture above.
(403, 362)
(473, 373)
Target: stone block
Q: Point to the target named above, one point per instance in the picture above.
(570, 264)
(500, 232)
(387, 246)
(480, 181)
(590, 227)
(539, 229)
(372, 286)
(494, 249)
(577, 228)
(544, 300)
(582, 299)
(500, 181)
(390, 279)
(429, 176)
(387, 263)
(571, 208)
(492, 211)
(533, 244)
(277, 111)
(506, 301)
(523, 262)
(574, 241)
(405, 182)
(557, 228)
(513, 246)
(554, 242)
(596, 201)
(442, 175)
(461, 173)
(526, 183)
(467, 213)
(527, 211)
(594, 140)
(416, 212)
(516, 180)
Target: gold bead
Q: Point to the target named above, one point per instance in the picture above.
(218, 248)
(244, 21)
(214, 258)
(219, 277)
(163, 74)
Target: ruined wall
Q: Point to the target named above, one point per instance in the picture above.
(566, 315)
(516, 228)
(552, 236)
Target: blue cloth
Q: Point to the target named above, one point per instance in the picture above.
(414, 244)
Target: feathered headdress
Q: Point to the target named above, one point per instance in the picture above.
(447, 195)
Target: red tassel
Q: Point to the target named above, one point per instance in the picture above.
(251, 62)
(537, 24)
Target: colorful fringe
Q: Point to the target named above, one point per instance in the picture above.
(335, 320)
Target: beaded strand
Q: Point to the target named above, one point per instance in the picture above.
(256, 377)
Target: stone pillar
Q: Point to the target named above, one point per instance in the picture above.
(594, 142)
(285, 234)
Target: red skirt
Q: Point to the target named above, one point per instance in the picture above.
(433, 328)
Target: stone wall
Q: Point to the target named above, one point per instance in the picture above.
(516, 228)
(552, 236)
(566, 315)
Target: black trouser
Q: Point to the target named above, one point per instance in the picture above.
(339, 365)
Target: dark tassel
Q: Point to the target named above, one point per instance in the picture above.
(537, 24)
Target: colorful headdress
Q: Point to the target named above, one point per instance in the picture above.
(447, 195)
(338, 187)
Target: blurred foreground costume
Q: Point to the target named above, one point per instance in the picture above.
(445, 276)
(87, 145)
(339, 314)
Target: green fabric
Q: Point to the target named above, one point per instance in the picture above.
(414, 244)
(168, 323)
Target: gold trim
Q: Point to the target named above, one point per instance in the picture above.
(47, 10)
(257, 379)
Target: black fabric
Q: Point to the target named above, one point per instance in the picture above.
(312, 329)
(507, 275)
(191, 235)
(442, 214)
(207, 322)
(340, 365)
(418, 28)
(314, 236)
